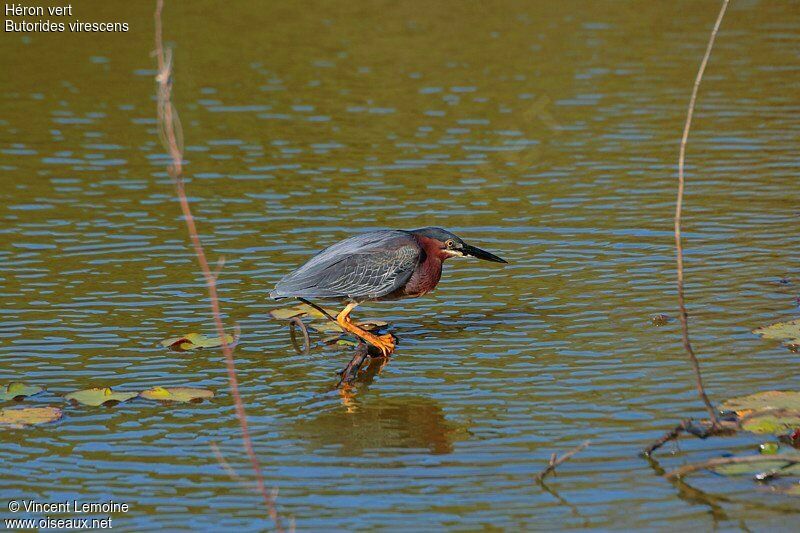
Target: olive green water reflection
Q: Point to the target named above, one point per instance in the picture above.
(546, 132)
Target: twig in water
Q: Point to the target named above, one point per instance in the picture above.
(700, 429)
(349, 373)
(295, 322)
(712, 414)
(789, 459)
(555, 460)
(172, 136)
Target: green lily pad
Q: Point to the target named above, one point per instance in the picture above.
(774, 422)
(177, 394)
(345, 342)
(319, 322)
(767, 465)
(326, 327)
(286, 313)
(302, 310)
(193, 341)
(785, 331)
(769, 448)
(767, 412)
(18, 417)
(761, 401)
(16, 391)
(372, 325)
(100, 396)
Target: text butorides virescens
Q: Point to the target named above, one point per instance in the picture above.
(376, 266)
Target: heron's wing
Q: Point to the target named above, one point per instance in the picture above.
(363, 267)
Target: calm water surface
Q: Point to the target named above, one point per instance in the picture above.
(545, 132)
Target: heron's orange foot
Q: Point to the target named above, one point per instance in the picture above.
(385, 343)
(389, 339)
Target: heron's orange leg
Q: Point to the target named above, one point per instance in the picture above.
(385, 343)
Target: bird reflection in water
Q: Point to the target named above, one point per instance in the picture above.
(381, 424)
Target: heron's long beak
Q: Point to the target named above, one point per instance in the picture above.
(481, 254)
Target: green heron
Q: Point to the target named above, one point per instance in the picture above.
(377, 266)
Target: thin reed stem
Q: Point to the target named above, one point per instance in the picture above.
(687, 344)
(172, 137)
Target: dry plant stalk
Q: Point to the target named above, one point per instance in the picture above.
(714, 425)
(712, 414)
(172, 137)
(555, 460)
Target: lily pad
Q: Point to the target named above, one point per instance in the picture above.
(321, 323)
(192, 341)
(301, 310)
(768, 412)
(177, 394)
(761, 401)
(772, 421)
(326, 327)
(16, 391)
(769, 448)
(100, 396)
(19, 417)
(371, 325)
(345, 342)
(286, 313)
(785, 331)
(767, 465)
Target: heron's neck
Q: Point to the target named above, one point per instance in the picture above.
(427, 274)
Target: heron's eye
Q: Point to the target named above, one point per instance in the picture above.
(449, 243)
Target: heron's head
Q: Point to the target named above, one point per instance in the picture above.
(451, 245)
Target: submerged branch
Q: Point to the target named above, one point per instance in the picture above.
(702, 429)
(350, 372)
(789, 459)
(555, 460)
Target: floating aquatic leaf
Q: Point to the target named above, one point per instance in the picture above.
(18, 417)
(316, 313)
(772, 412)
(769, 448)
(785, 331)
(760, 401)
(345, 342)
(321, 323)
(16, 391)
(177, 394)
(326, 327)
(193, 341)
(99, 396)
(285, 313)
(371, 324)
(774, 422)
(767, 465)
